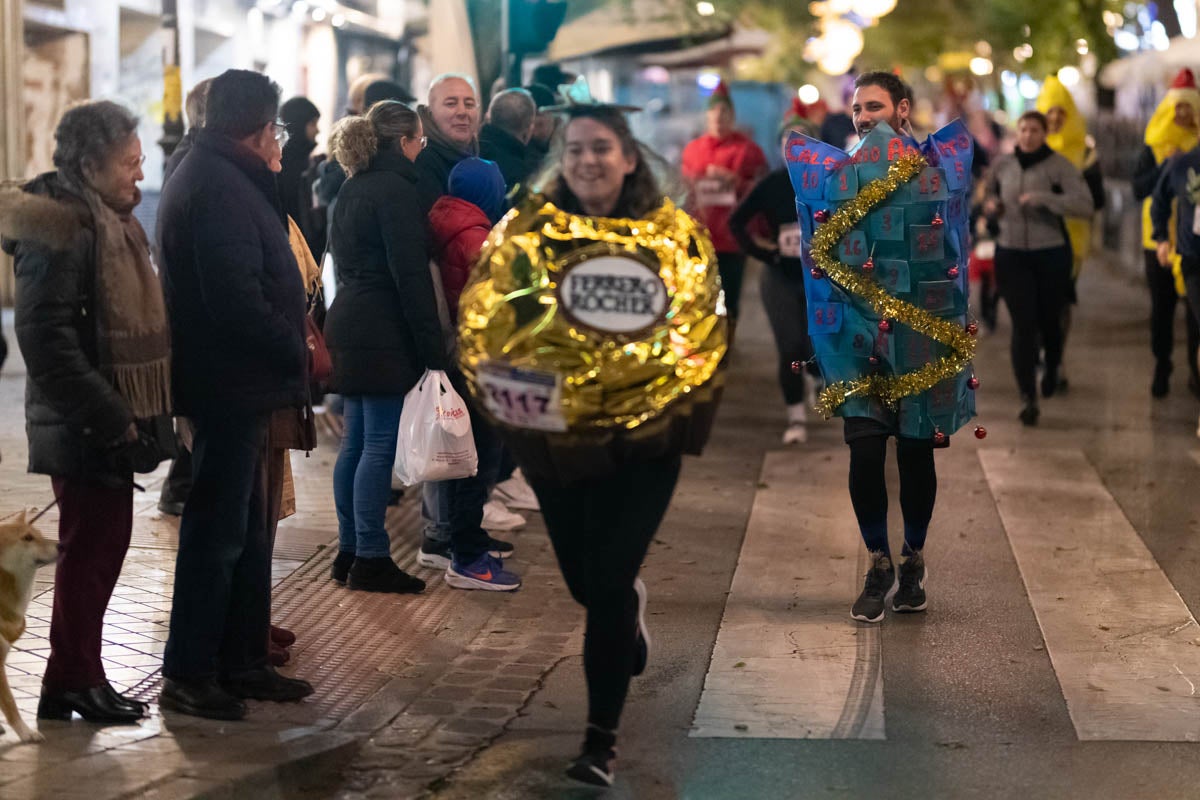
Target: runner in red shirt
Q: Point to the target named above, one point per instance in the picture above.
(722, 165)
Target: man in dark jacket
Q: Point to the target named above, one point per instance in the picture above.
(237, 328)
(505, 137)
(451, 122)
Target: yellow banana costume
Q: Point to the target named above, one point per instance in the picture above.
(1071, 140)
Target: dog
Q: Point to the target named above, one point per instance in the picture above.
(22, 551)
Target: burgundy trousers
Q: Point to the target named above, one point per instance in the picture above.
(94, 529)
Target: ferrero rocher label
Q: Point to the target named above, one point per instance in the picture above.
(574, 324)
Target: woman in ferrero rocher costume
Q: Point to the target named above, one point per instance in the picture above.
(591, 334)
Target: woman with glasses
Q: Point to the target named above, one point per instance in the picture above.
(382, 331)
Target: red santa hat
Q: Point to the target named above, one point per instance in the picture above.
(1186, 79)
(720, 95)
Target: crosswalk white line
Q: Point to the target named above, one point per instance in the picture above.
(788, 660)
(1123, 644)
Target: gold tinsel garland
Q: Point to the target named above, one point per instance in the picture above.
(888, 388)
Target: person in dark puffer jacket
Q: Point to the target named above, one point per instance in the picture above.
(382, 329)
(237, 326)
(92, 328)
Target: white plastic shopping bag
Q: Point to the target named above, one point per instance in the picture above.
(435, 441)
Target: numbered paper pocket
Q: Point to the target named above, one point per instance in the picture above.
(927, 243)
(523, 398)
(930, 185)
(843, 184)
(824, 317)
(852, 249)
(887, 224)
(893, 274)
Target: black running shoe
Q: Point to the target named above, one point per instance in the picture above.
(879, 583)
(594, 765)
(910, 596)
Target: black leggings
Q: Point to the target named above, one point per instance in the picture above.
(1036, 287)
(868, 489)
(787, 311)
(1163, 300)
(601, 529)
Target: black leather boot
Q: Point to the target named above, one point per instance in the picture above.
(94, 705)
(382, 575)
(201, 697)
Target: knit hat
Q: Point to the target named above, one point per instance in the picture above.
(298, 112)
(720, 95)
(1186, 79)
(479, 181)
(386, 90)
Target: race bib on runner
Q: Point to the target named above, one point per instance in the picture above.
(715, 192)
(790, 240)
(523, 398)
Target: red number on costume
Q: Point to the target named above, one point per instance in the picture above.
(887, 221)
(810, 181)
(926, 241)
(935, 298)
(845, 185)
(852, 247)
(958, 169)
(820, 316)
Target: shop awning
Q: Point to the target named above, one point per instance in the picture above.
(642, 27)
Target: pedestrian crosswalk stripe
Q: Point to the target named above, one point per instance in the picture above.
(788, 661)
(1122, 641)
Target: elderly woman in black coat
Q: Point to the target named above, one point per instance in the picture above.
(92, 328)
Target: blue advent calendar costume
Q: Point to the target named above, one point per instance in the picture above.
(914, 244)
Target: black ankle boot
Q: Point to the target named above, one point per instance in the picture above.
(94, 705)
(122, 700)
(382, 575)
(341, 567)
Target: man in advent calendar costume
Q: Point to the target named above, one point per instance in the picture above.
(884, 231)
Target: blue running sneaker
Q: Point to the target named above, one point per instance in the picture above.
(487, 572)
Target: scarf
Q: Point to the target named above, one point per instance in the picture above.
(1027, 160)
(132, 336)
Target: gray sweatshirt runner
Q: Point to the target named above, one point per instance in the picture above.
(1056, 189)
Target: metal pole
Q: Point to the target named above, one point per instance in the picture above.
(12, 111)
(510, 60)
(172, 81)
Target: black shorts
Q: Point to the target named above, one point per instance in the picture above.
(856, 428)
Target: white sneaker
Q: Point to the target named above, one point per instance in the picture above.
(517, 493)
(796, 433)
(498, 518)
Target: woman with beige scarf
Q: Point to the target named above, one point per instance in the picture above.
(92, 327)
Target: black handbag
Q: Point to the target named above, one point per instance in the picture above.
(155, 444)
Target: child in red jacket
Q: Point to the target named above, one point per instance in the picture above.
(461, 220)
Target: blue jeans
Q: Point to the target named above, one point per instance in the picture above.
(362, 476)
(453, 510)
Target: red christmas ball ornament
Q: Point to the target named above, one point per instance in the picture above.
(952, 273)
(940, 438)
(816, 273)
(972, 383)
(885, 325)
(980, 432)
(821, 215)
(869, 265)
(937, 220)
(873, 361)
(796, 367)
(972, 328)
